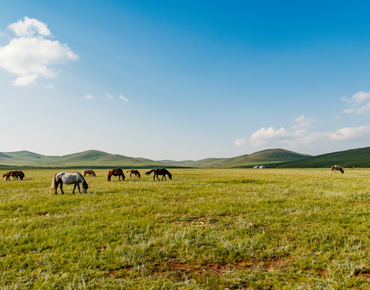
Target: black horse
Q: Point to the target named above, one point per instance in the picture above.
(160, 171)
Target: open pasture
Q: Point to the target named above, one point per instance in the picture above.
(205, 229)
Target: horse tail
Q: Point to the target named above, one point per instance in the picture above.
(84, 172)
(147, 173)
(109, 175)
(21, 175)
(332, 168)
(53, 183)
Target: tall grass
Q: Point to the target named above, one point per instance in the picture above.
(205, 229)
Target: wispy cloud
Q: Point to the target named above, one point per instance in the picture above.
(359, 102)
(240, 142)
(296, 138)
(49, 86)
(123, 98)
(29, 54)
(262, 136)
(89, 97)
(302, 122)
(109, 97)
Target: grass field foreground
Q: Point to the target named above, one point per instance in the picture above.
(205, 229)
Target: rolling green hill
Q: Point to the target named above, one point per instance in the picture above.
(265, 157)
(270, 158)
(355, 157)
(92, 158)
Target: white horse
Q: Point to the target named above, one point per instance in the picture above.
(337, 167)
(68, 178)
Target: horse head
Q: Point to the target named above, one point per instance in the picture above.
(85, 187)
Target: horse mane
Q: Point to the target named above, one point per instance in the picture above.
(81, 176)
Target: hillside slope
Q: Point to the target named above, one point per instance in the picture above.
(93, 158)
(355, 157)
(264, 157)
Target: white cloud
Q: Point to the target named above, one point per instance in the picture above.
(350, 133)
(109, 97)
(301, 138)
(302, 122)
(49, 86)
(29, 55)
(2, 34)
(29, 27)
(240, 142)
(123, 98)
(89, 97)
(359, 103)
(261, 136)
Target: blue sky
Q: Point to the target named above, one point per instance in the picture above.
(184, 79)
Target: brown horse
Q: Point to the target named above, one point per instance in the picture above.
(116, 172)
(14, 174)
(337, 167)
(160, 171)
(89, 172)
(135, 172)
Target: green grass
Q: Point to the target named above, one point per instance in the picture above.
(205, 229)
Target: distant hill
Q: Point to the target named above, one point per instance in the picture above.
(355, 157)
(270, 158)
(265, 157)
(92, 158)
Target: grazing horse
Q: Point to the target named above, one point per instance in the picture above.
(337, 167)
(68, 178)
(116, 172)
(160, 171)
(14, 174)
(89, 172)
(135, 172)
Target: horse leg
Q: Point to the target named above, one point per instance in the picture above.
(61, 187)
(78, 185)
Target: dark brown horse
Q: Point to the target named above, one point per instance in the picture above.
(88, 172)
(160, 171)
(116, 172)
(14, 174)
(135, 172)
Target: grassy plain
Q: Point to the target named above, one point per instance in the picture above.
(205, 229)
